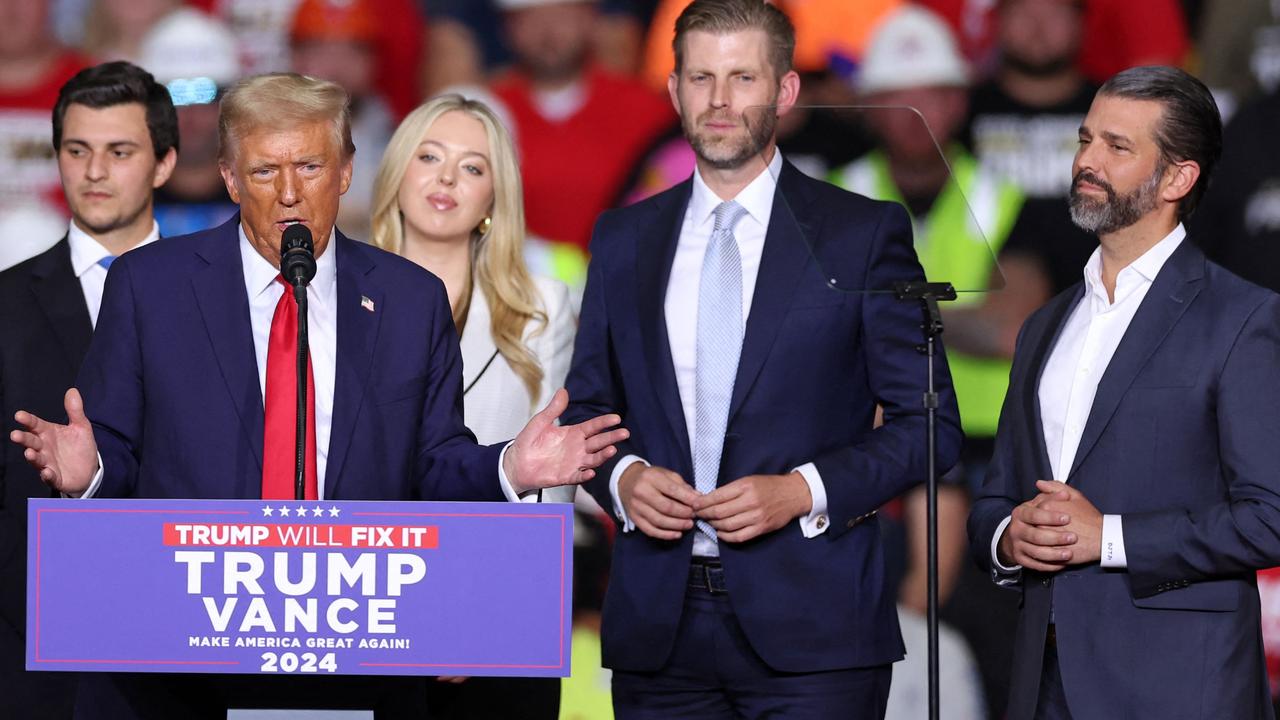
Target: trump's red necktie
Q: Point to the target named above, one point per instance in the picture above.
(279, 445)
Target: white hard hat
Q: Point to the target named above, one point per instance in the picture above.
(912, 47)
(190, 52)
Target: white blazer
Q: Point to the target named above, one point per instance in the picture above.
(496, 404)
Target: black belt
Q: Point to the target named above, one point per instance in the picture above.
(707, 574)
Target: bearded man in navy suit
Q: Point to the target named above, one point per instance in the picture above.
(1134, 489)
(749, 579)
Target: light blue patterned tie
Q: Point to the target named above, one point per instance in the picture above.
(719, 345)
(106, 262)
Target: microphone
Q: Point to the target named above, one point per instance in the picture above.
(297, 256)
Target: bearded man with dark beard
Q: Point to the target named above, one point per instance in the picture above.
(1134, 493)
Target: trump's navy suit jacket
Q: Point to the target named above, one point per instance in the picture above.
(171, 382)
(171, 386)
(815, 363)
(1183, 442)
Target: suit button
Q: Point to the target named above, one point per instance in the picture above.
(1044, 582)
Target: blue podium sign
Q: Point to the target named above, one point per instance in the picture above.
(272, 587)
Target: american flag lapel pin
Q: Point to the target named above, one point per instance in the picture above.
(366, 303)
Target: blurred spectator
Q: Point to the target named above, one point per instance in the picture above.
(32, 68)
(1117, 33)
(580, 128)
(830, 34)
(466, 45)
(1238, 223)
(1121, 34)
(337, 40)
(959, 684)
(114, 29)
(1239, 50)
(262, 30)
(1025, 121)
(963, 216)
(194, 56)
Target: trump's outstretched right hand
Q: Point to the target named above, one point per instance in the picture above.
(66, 456)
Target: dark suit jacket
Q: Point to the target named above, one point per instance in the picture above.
(171, 386)
(171, 383)
(1182, 441)
(815, 363)
(44, 333)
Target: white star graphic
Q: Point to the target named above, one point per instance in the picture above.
(317, 511)
(302, 512)
(333, 511)
(284, 511)
(266, 511)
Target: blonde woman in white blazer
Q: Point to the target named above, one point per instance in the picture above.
(447, 196)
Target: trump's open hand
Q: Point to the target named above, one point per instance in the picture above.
(66, 456)
(546, 455)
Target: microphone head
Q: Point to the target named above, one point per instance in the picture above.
(297, 255)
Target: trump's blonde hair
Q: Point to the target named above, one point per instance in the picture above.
(282, 101)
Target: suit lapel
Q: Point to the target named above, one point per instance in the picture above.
(357, 337)
(61, 299)
(786, 252)
(1043, 346)
(655, 251)
(224, 307)
(1171, 293)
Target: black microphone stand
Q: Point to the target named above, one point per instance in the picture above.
(927, 294)
(300, 438)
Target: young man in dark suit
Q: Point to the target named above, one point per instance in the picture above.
(115, 133)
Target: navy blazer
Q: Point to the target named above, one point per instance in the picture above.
(1183, 442)
(44, 333)
(815, 363)
(171, 386)
(171, 382)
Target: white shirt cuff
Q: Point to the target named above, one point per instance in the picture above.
(1113, 543)
(94, 484)
(816, 522)
(627, 461)
(1002, 574)
(530, 497)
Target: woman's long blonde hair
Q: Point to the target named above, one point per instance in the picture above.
(497, 256)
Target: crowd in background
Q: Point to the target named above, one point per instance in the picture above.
(983, 168)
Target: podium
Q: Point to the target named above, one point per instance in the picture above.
(299, 587)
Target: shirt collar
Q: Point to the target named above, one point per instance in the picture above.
(756, 197)
(87, 251)
(259, 275)
(1147, 266)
